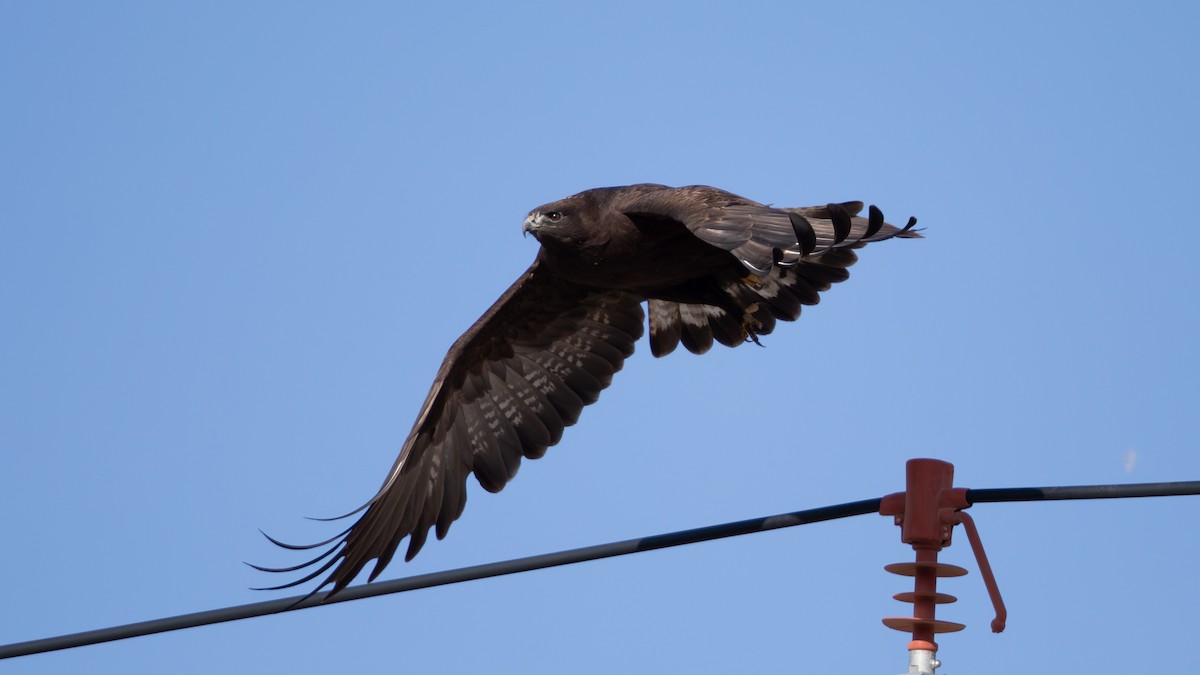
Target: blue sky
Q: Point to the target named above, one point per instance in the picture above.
(236, 240)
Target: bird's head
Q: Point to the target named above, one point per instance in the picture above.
(544, 218)
(565, 221)
(578, 226)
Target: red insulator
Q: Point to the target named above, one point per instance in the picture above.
(922, 624)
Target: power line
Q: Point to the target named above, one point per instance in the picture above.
(569, 557)
(1175, 489)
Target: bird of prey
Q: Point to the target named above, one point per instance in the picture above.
(709, 264)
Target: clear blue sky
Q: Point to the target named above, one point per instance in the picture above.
(236, 240)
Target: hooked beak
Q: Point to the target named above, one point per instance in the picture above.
(532, 223)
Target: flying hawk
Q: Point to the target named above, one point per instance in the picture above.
(709, 265)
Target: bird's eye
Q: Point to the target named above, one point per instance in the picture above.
(554, 216)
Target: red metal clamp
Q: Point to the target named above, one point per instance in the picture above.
(927, 512)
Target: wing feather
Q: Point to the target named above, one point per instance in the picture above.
(506, 390)
(666, 326)
(697, 335)
(760, 236)
(777, 296)
(538, 402)
(528, 424)
(565, 401)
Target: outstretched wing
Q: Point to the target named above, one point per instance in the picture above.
(791, 255)
(760, 236)
(506, 390)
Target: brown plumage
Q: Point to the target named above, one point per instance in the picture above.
(709, 264)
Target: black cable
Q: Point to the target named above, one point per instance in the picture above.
(441, 578)
(1084, 492)
(574, 556)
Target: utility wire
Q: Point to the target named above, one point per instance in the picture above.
(570, 557)
(1084, 492)
(442, 578)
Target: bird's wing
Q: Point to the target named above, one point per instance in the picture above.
(754, 303)
(760, 236)
(791, 254)
(506, 390)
